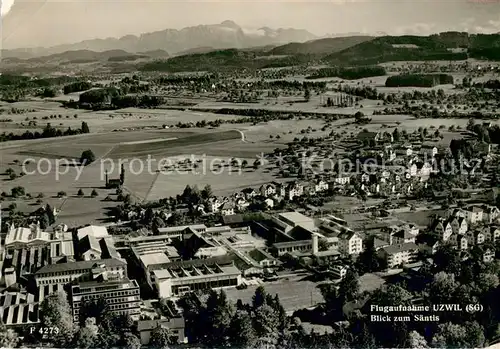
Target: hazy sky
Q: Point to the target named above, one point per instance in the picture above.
(32, 23)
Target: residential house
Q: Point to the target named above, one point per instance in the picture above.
(396, 255)
(495, 232)
(350, 243)
(474, 214)
(269, 203)
(476, 237)
(402, 236)
(320, 185)
(428, 243)
(339, 271)
(342, 179)
(488, 255)
(214, 204)
(227, 209)
(459, 241)
(443, 228)
(294, 189)
(412, 170)
(491, 214)
(424, 169)
(459, 225)
(267, 190)
(241, 203)
(249, 193)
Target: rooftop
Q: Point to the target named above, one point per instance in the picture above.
(93, 230)
(294, 217)
(99, 286)
(80, 266)
(154, 258)
(392, 249)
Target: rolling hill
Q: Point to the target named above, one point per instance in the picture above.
(321, 46)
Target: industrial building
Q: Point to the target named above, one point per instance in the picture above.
(82, 271)
(201, 274)
(122, 296)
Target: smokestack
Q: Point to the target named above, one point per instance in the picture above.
(315, 248)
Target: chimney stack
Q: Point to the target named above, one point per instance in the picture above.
(315, 248)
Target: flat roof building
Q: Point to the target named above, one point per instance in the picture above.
(183, 278)
(121, 296)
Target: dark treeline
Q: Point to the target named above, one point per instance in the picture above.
(285, 84)
(491, 84)
(258, 114)
(348, 73)
(77, 87)
(181, 80)
(48, 132)
(114, 98)
(366, 92)
(19, 81)
(145, 101)
(418, 80)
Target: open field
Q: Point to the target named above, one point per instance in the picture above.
(294, 295)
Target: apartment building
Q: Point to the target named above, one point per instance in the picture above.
(396, 255)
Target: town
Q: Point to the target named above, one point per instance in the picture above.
(258, 197)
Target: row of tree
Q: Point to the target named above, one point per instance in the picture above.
(48, 131)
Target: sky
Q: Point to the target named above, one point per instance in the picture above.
(44, 23)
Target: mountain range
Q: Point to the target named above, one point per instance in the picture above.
(225, 35)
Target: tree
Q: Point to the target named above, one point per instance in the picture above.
(94, 193)
(8, 338)
(122, 175)
(241, 332)
(80, 193)
(18, 191)
(442, 289)
(266, 321)
(447, 259)
(87, 335)
(416, 340)
(207, 193)
(349, 287)
(85, 127)
(44, 221)
(50, 214)
(471, 124)
(307, 94)
(96, 309)
(55, 312)
(131, 341)
(395, 135)
(87, 157)
(218, 315)
(259, 298)
(160, 338)
(368, 260)
(449, 335)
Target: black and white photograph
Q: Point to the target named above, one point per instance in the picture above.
(250, 174)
